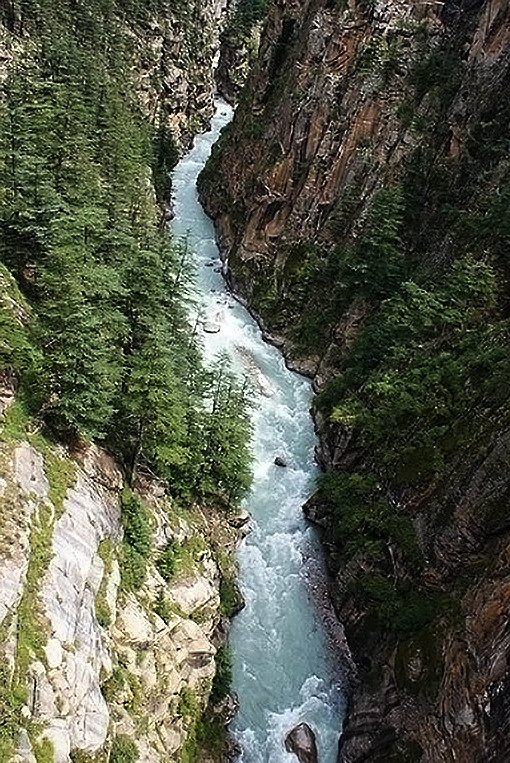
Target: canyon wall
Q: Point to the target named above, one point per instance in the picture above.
(361, 200)
(92, 666)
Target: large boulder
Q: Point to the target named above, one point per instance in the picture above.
(301, 741)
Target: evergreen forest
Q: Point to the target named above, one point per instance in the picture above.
(104, 350)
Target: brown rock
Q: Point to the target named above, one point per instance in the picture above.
(301, 741)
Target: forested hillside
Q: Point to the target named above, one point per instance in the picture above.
(121, 455)
(109, 354)
(361, 197)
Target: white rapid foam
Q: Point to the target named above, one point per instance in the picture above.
(282, 670)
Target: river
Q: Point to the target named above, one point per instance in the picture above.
(283, 671)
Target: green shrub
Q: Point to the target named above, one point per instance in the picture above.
(133, 568)
(165, 609)
(231, 600)
(124, 750)
(188, 704)
(103, 613)
(137, 541)
(136, 523)
(167, 561)
(364, 520)
(222, 680)
(405, 610)
(14, 424)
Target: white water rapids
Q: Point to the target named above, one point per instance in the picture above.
(282, 668)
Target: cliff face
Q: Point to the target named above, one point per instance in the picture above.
(175, 67)
(89, 683)
(239, 41)
(364, 178)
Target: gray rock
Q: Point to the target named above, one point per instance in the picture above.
(53, 651)
(239, 520)
(301, 741)
(211, 328)
(280, 462)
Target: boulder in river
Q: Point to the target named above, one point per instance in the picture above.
(301, 741)
(211, 328)
(279, 461)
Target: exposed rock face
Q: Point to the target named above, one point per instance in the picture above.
(176, 68)
(238, 51)
(76, 652)
(339, 105)
(88, 682)
(301, 741)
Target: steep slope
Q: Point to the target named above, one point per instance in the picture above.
(239, 43)
(90, 667)
(361, 198)
(116, 573)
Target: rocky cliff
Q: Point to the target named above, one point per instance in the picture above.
(239, 41)
(93, 663)
(177, 52)
(360, 197)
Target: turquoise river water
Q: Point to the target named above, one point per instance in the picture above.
(283, 671)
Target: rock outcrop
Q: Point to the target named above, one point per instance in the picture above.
(90, 682)
(176, 67)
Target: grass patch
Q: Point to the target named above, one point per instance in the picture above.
(31, 637)
(60, 472)
(12, 699)
(120, 681)
(231, 599)
(222, 680)
(206, 736)
(124, 750)
(103, 611)
(181, 559)
(44, 751)
(166, 609)
(16, 421)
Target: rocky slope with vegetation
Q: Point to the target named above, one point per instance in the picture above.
(122, 458)
(239, 43)
(361, 199)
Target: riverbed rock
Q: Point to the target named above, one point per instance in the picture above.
(280, 462)
(211, 328)
(301, 741)
(239, 521)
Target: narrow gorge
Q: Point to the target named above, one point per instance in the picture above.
(283, 670)
(188, 571)
(361, 200)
